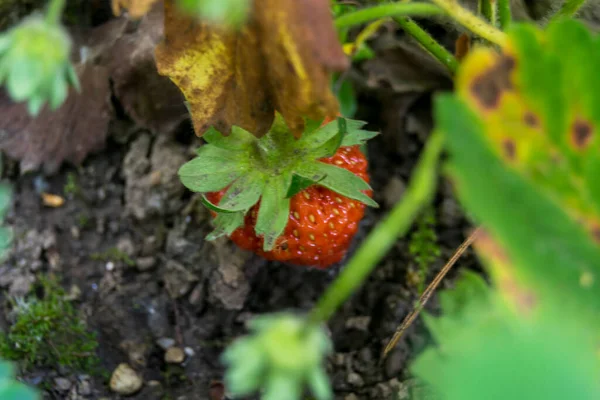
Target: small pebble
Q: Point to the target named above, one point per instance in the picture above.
(165, 343)
(84, 388)
(125, 380)
(174, 355)
(355, 379)
(189, 352)
(145, 263)
(62, 384)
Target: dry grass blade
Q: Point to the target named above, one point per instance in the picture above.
(429, 291)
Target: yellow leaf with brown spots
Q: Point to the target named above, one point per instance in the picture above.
(522, 133)
(135, 8)
(280, 60)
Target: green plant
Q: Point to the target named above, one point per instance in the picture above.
(10, 389)
(294, 221)
(71, 186)
(423, 244)
(34, 60)
(530, 115)
(48, 331)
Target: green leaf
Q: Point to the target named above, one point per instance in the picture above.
(319, 384)
(244, 192)
(483, 352)
(329, 148)
(213, 207)
(339, 180)
(225, 224)
(346, 97)
(319, 137)
(290, 355)
(300, 183)
(531, 117)
(59, 92)
(273, 213)
(24, 77)
(238, 139)
(358, 137)
(229, 12)
(213, 169)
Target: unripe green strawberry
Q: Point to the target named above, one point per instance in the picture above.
(321, 222)
(286, 199)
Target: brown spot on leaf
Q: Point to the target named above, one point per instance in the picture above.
(488, 87)
(510, 148)
(531, 120)
(581, 133)
(596, 234)
(462, 46)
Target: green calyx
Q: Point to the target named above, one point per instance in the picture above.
(282, 354)
(34, 63)
(271, 170)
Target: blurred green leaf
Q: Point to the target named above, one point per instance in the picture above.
(34, 63)
(281, 355)
(483, 352)
(523, 139)
(229, 12)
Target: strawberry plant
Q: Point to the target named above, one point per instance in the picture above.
(290, 200)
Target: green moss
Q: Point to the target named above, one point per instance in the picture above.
(115, 255)
(71, 186)
(48, 332)
(423, 246)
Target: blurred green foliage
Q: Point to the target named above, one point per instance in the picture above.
(522, 133)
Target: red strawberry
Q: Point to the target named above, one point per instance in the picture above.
(321, 222)
(297, 201)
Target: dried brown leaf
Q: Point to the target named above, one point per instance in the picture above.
(135, 8)
(280, 60)
(151, 100)
(220, 73)
(78, 127)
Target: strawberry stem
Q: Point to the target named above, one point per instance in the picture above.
(382, 238)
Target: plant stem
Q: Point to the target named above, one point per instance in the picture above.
(386, 10)
(504, 14)
(569, 9)
(470, 21)
(489, 9)
(429, 43)
(54, 12)
(382, 238)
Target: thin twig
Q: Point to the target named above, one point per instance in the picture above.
(428, 292)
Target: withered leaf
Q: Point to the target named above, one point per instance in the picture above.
(280, 60)
(152, 101)
(78, 127)
(220, 73)
(135, 8)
